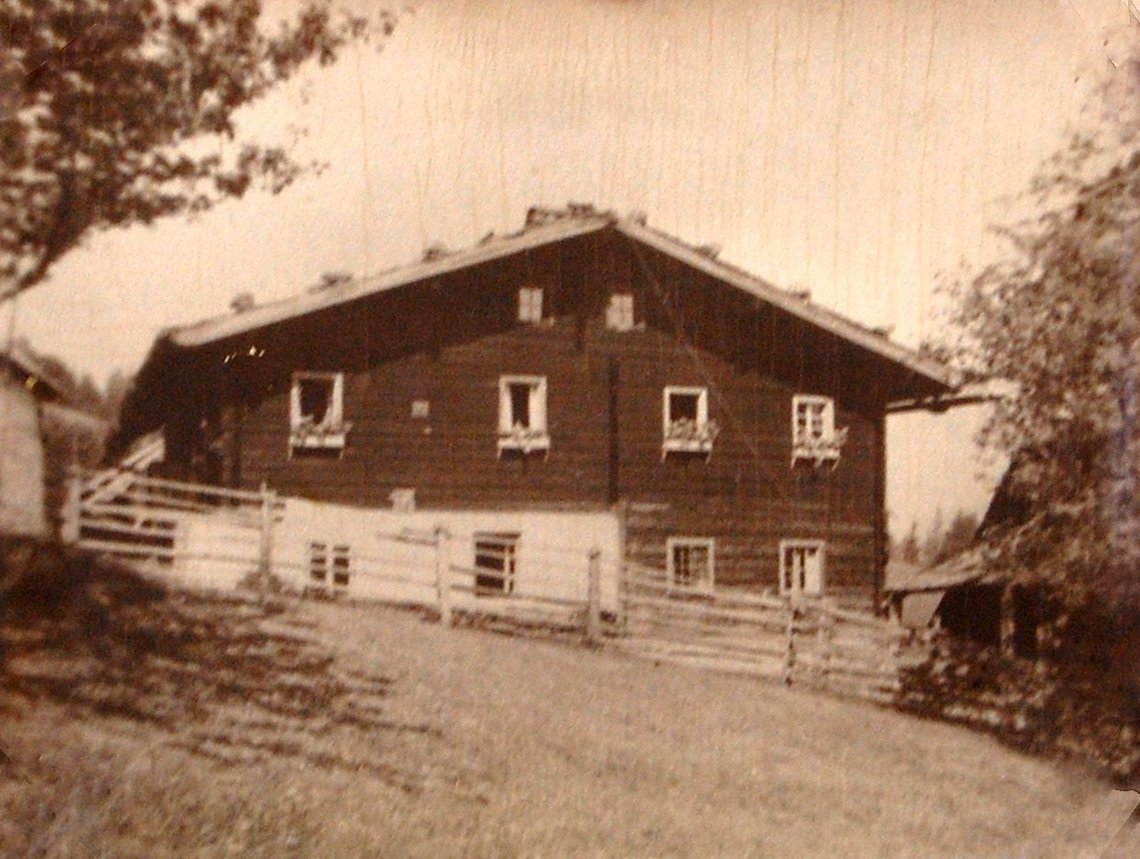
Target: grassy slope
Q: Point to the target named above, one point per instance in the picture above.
(467, 743)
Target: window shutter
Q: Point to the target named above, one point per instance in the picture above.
(538, 405)
(504, 406)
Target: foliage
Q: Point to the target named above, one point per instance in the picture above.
(105, 106)
(958, 535)
(909, 550)
(1058, 324)
(1064, 709)
(81, 391)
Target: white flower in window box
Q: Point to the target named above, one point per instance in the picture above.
(821, 450)
(522, 415)
(308, 433)
(815, 438)
(687, 434)
(524, 439)
(316, 411)
(686, 426)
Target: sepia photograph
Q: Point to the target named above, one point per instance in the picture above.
(569, 428)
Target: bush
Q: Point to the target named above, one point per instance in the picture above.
(1066, 707)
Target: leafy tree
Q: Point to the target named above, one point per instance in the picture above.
(1058, 323)
(958, 535)
(909, 549)
(934, 536)
(105, 104)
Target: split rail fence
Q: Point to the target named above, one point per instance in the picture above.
(213, 537)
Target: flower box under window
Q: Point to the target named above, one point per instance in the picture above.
(522, 415)
(815, 438)
(316, 412)
(686, 424)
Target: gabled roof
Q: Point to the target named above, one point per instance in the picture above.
(545, 228)
(967, 567)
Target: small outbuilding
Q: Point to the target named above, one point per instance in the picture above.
(23, 386)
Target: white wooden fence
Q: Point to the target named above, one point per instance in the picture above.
(208, 536)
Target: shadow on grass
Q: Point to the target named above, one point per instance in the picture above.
(232, 676)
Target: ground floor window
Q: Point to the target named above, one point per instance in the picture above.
(691, 561)
(496, 560)
(801, 566)
(329, 565)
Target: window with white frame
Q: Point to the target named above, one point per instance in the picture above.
(686, 424)
(619, 312)
(496, 561)
(530, 304)
(316, 412)
(691, 562)
(329, 566)
(522, 414)
(801, 567)
(814, 435)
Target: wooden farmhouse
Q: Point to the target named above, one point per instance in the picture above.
(588, 362)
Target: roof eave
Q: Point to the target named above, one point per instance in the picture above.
(235, 324)
(932, 372)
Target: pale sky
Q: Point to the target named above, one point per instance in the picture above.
(858, 149)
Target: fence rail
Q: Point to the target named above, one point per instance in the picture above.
(220, 537)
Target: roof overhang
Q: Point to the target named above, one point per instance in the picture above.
(200, 334)
(967, 567)
(791, 303)
(234, 324)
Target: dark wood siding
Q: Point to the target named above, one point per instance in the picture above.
(448, 342)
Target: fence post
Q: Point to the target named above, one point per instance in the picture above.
(443, 575)
(824, 635)
(594, 598)
(69, 524)
(790, 652)
(265, 550)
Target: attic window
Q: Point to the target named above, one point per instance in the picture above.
(814, 436)
(801, 567)
(691, 562)
(530, 304)
(619, 313)
(522, 414)
(316, 412)
(686, 424)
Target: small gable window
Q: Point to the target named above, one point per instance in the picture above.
(686, 424)
(801, 567)
(814, 435)
(691, 562)
(316, 412)
(522, 415)
(530, 304)
(619, 312)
